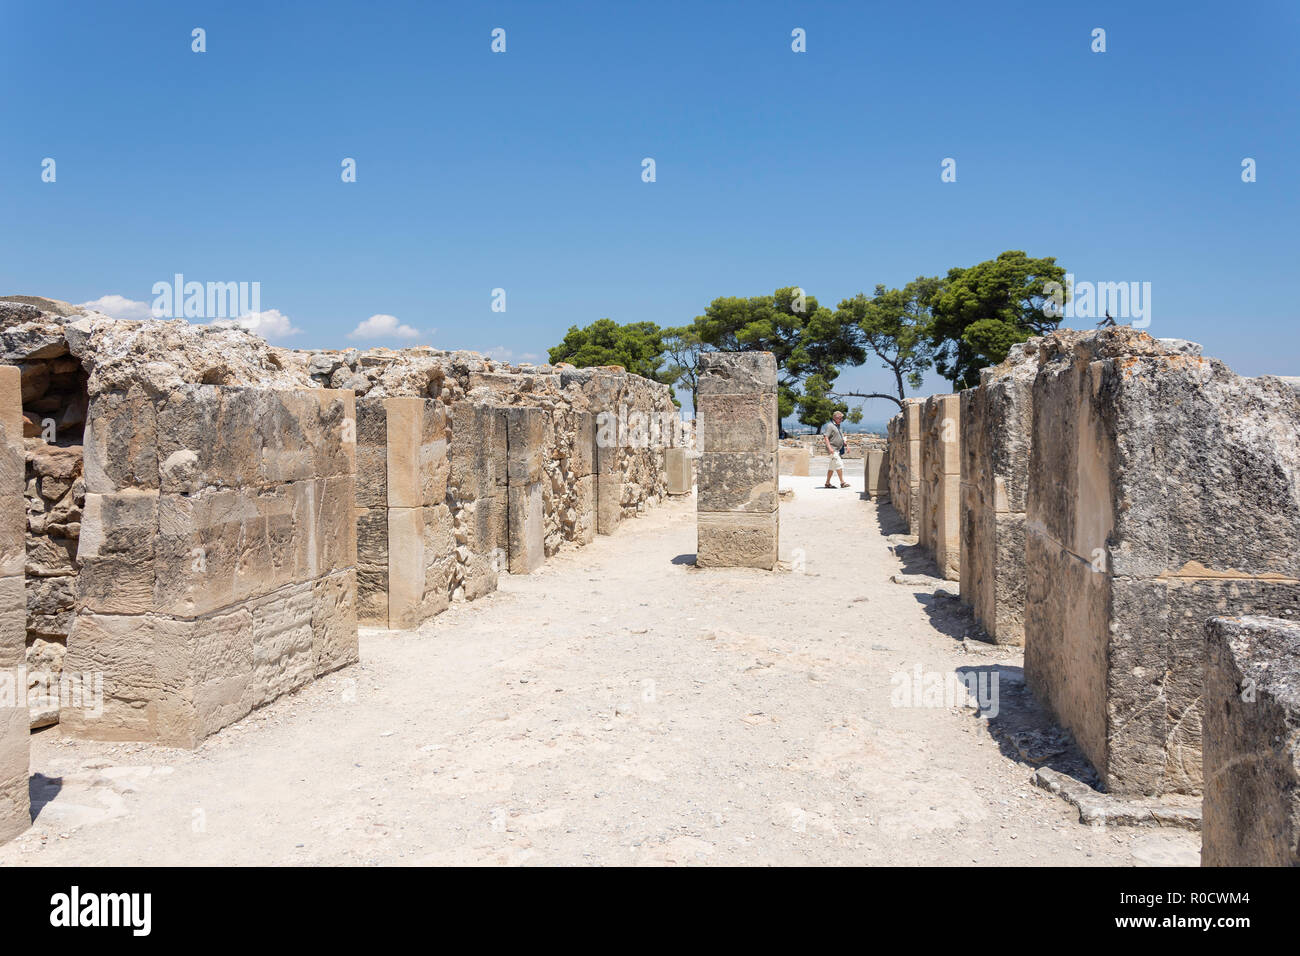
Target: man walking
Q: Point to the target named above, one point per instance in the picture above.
(834, 439)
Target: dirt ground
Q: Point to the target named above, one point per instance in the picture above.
(617, 707)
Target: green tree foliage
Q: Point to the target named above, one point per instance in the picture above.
(683, 347)
(637, 346)
(807, 339)
(895, 325)
(980, 312)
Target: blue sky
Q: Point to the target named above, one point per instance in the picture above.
(522, 170)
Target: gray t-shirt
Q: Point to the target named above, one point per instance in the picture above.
(836, 438)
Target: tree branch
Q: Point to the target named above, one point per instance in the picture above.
(892, 398)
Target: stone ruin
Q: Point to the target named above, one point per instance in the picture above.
(738, 504)
(14, 720)
(939, 487)
(1153, 489)
(1251, 752)
(208, 517)
(904, 459)
(995, 436)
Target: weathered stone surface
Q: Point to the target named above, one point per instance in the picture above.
(527, 526)
(995, 437)
(905, 463)
(1163, 490)
(525, 444)
(372, 565)
(939, 508)
(14, 717)
(794, 461)
(681, 471)
(738, 481)
(876, 473)
(737, 539)
(1251, 805)
(737, 473)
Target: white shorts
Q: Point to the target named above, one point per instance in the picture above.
(837, 463)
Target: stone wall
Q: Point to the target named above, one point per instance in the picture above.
(737, 506)
(1251, 807)
(939, 504)
(876, 473)
(14, 735)
(904, 447)
(995, 437)
(538, 458)
(54, 405)
(1164, 489)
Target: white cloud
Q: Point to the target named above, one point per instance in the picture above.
(119, 307)
(383, 327)
(271, 324)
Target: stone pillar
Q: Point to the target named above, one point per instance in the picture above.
(582, 528)
(405, 551)
(940, 485)
(1162, 492)
(227, 576)
(606, 393)
(15, 808)
(995, 423)
(1251, 729)
(794, 461)
(905, 463)
(479, 485)
(525, 445)
(875, 467)
(737, 507)
(680, 468)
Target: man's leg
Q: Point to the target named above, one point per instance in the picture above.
(841, 474)
(828, 477)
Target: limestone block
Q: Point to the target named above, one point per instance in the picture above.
(13, 514)
(738, 481)
(11, 405)
(584, 506)
(435, 463)
(525, 444)
(13, 615)
(121, 442)
(609, 502)
(940, 483)
(731, 422)
(583, 462)
(439, 559)
(996, 419)
(372, 566)
(334, 621)
(404, 446)
(1163, 490)
(406, 567)
(477, 448)
(372, 453)
(1251, 805)
(737, 539)
(15, 806)
(905, 463)
(876, 474)
(119, 532)
(679, 465)
(527, 528)
(794, 461)
(737, 373)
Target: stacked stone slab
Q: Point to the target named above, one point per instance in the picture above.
(737, 506)
(904, 446)
(405, 544)
(876, 473)
(939, 505)
(14, 736)
(794, 461)
(526, 521)
(1251, 724)
(995, 436)
(681, 470)
(224, 575)
(480, 491)
(1163, 490)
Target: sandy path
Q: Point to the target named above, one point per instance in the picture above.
(617, 707)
